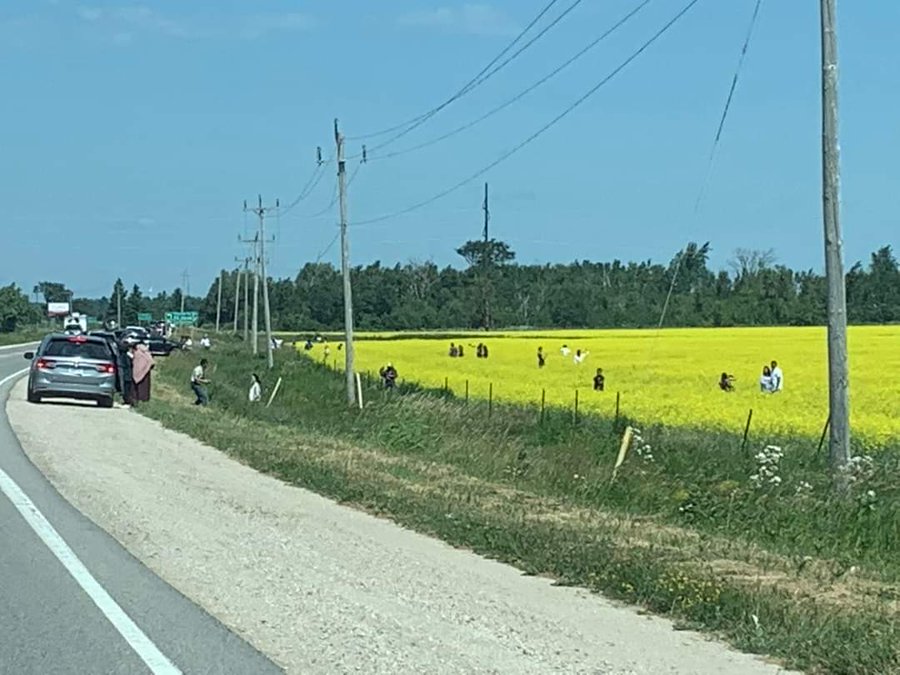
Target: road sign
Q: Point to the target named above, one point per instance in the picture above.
(182, 318)
(145, 317)
(58, 308)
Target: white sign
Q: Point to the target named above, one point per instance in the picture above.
(57, 308)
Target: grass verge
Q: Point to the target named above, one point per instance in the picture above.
(783, 568)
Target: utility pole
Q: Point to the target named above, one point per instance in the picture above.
(345, 269)
(261, 212)
(119, 305)
(219, 300)
(185, 278)
(254, 243)
(838, 370)
(246, 299)
(486, 262)
(237, 294)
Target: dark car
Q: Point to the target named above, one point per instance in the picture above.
(160, 346)
(72, 366)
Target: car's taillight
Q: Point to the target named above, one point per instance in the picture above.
(78, 338)
(108, 368)
(44, 364)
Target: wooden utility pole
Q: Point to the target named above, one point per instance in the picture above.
(119, 306)
(246, 299)
(838, 370)
(237, 296)
(345, 269)
(185, 277)
(486, 263)
(261, 212)
(219, 300)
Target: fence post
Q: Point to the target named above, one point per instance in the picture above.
(616, 420)
(490, 399)
(467, 392)
(446, 385)
(575, 417)
(543, 401)
(824, 433)
(746, 431)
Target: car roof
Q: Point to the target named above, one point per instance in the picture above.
(93, 339)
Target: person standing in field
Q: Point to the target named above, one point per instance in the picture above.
(564, 350)
(388, 376)
(255, 394)
(580, 356)
(542, 361)
(199, 383)
(765, 380)
(460, 352)
(777, 377)
(454, 352)
(599, 380)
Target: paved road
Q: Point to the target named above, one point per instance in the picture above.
(49, 622)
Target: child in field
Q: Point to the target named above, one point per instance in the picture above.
(777, 377)
(726, 382)
(542, 361)
(599, 380)
(564, 350)
(580, 356)
(454, 352)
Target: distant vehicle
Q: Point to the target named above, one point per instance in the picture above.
(75, 323)
(72, 366)
(160, 346)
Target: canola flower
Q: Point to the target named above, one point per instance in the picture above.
(668, 376)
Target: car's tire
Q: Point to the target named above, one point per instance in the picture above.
(105, 402)
(32, 397)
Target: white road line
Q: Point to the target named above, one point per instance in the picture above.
(148, 652)
(13, 376)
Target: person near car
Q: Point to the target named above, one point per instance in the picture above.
(141, 365)
(199, 383)
(124, 362)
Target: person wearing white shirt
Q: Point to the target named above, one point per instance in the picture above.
(564, 350)
(205, 342)
(255, 389)
(199, 382)
(580, 356)
(777, 377)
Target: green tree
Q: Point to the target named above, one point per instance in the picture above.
(15, 309)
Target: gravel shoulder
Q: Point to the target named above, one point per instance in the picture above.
(323, 588)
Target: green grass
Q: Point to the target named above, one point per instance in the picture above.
(686, 534)
(21, 337)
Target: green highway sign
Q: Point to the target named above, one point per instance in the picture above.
(146, 317)
(182, 318)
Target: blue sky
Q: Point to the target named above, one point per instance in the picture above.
(131, 133)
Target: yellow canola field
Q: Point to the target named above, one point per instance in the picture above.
(667, 376)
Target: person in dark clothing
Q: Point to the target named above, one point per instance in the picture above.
(479, 351)
(542, 360)
(460, 351)
(599, 380)
(484, 351)
(726, 382)
(454, 352)
(388, 376)
(125, 371)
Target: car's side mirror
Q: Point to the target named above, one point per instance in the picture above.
(29, 355)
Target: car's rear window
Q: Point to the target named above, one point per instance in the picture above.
(71, 348)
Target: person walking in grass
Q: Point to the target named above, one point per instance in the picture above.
(599, 380)
(542, 360)
(255, 394)
(199, 383)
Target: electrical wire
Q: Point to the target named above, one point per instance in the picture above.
(593, 90)
(481, 80)
(467, 87)
(310, 185)
(327, 248)
(575, 57)
(740, 65)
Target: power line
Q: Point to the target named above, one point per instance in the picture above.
(311, 184)
(575, 57)
(481, 80)
(467, 87)
(593, 90)
(712, 153)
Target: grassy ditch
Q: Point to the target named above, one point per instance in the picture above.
(21, 337)
(781, 567)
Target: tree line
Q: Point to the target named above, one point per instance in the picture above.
(494, 291)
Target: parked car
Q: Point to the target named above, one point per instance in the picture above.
(72, 366)
(160, 346)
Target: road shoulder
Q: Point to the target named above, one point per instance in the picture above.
(320, 587)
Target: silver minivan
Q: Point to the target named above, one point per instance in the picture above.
(72, 366)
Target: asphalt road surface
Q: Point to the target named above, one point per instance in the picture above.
(74, 601)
